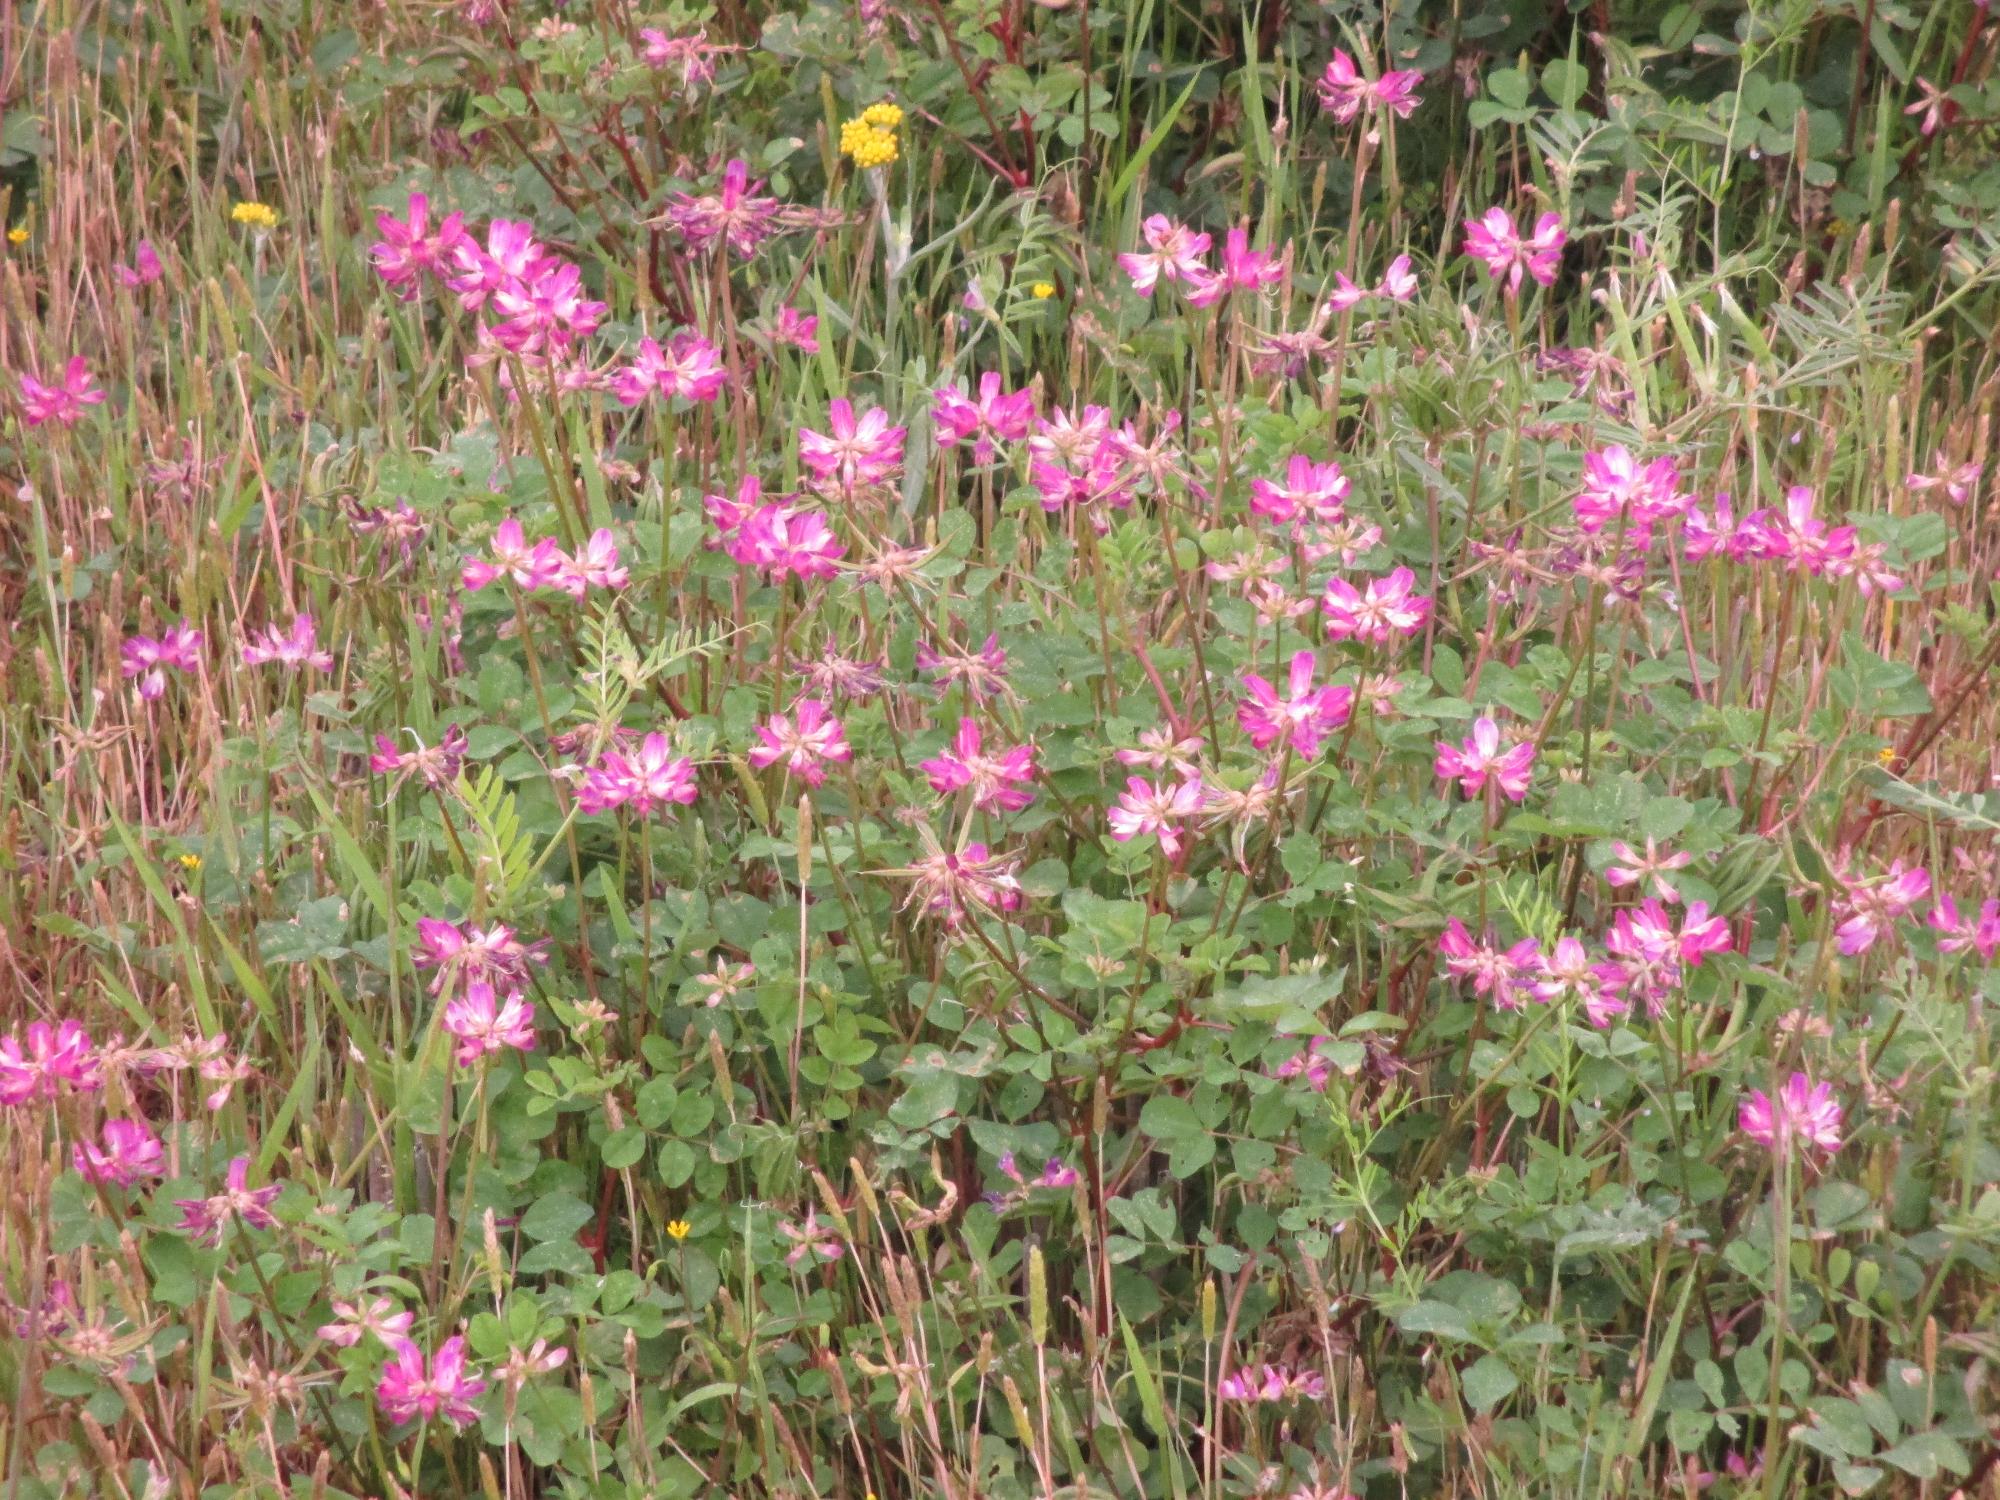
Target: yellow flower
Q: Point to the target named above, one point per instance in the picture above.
(677, 1229)
(883, 116)
(1887, 755)
(869, 144)
(190, 862)
(1043, 290)
(256, 215)
(18, 235)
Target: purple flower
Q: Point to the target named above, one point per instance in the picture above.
(144, 270)
(1173, 251)
(379, 1316)
(650, 780)
(688, 366)
(1148, 807)
(1345, 93)
(1390, 607)
(1243, 269)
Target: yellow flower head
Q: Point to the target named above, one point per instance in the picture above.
(256, 215)
(18, 235)
(883, 116)
(191, 863)
(1043, 290)
(1887, 755)
(677, 1229)
(869, 144)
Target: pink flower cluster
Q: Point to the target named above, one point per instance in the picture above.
(545, 564)
(648, 780)
(1802, 1116)
(806, 739)
(147, 659)
(996, 417)
(1175, 253)
(1508, 255)
(1270, 1382)
(998, 783)
(856, 452)
(1345, 93)
(410, 1391)
(777, 538)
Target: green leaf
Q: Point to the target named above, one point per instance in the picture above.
(1487, 1382)
(624, 1147)
(556, 1216)
(1439, 1318)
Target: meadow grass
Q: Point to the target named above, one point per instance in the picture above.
(972, 748)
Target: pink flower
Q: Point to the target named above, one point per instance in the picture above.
(1872, 908)
(437, 766)
(1934, 107)
(694, 54)
(1272, 1383)
(1648, 933)
(144, 270)
(688, 367)
(1345, 93)
(1390, 607)
(810, 1241)
(1309, 1064)
(1481, 755)
(1960, 482)
(1172, 251)
(380, 1317)
(786, 541)
(484, 1023)
(529, 567)
(409, 248)
(1243, 269)
(1146, 807)
(467, 955)
(1162, 746)
(544, 311)
(981, 673)
(1002, 782)
(860, 451)
(1301, 720)
(296, 648)
(949, 883)
(1502, 974)
(1399, 284)
(510, 254)
(1802, 1116)
(148, 659)
(805, 739)
(62, 404)
(1798, 538)
(1493, 240)
(736, 215)
(53, 1061)
(1616, 484)
(409, 1393)
(1720, 534)
(797, 329)
(1569, 972)
(1319, 490)
(648, 781)
(130, 1151)
(595, 565)
(206, 1218)
(1956, 933)
(1633, 868)
(995, 417)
